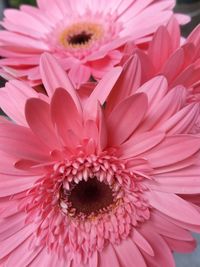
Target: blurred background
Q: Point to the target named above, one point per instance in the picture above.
(192, 8)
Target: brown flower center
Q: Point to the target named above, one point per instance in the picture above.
(86, 198)
(81, 35)
(80, 38)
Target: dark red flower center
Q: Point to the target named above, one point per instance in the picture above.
(88, 197)
(79, 38)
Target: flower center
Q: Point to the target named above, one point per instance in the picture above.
(86, 198)
(80, 38)
(81, 35)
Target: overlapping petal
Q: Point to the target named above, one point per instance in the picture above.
(140, 145)
(108, 26)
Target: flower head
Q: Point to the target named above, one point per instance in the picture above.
(86, 36)
(178, 61)
(166, 56)
(84, 185)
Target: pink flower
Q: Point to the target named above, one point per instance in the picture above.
(178, 61)
(166, 56)
(86, 36)
(86, 185)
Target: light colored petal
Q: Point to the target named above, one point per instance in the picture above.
(129, 254)
(39, 119)
(53, 77)
(126, 117)
(174, 207)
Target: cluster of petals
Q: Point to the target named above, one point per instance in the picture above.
(168, 55)
(87, 37)
(178, 60)
(138, 145)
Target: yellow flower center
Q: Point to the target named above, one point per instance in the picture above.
(81, 35)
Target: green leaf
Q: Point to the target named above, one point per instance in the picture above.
(17, 3)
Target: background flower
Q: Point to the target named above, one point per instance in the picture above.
(87, 37)
(61, 150)
(166, 56)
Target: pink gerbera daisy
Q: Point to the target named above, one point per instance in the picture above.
(86, 36)
(179, 63)
(87, 186)
(166, 55)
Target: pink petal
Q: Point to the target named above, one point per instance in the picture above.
(131, 69)
(79, 74)
(108, 257)
(14, 241)
(63, 109)
(181, 246)
(129, 254)
(155, 89)
(103, 136)
(22, 42)
(170, 150)
(174, 207)
(23, 255)
(160, 48)
(20, 142)
(141, 143)
(53, 77)
(142, 243)
(16, 184)
(164, 109)
(123, 120)
(183, 121)
(39, 119)
(163, 256)
(168, 229)
(184, 181)
(13, 98)
(101, 91)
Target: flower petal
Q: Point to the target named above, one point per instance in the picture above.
(123, 120)
(125, 252)
(174, 207)
(53, 77)
(39, 119)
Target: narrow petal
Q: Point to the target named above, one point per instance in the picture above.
(101, 91)
(125, 252)
(39, 119)
(22, 143)
(136, 145)
(131, 69)
(141, 242)
(123, 120)
(160, 48)
(53, 77)
(64, 113)
(13, 98)
(108, 257)
(182, 211)
(170, 150)
(14, 241)
(163, 256)
(183, 121)
(185, 181)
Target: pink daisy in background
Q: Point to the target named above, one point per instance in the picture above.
(166, 56)
(178, 61)
(87, 37)
(80, 189)
(180, 64)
